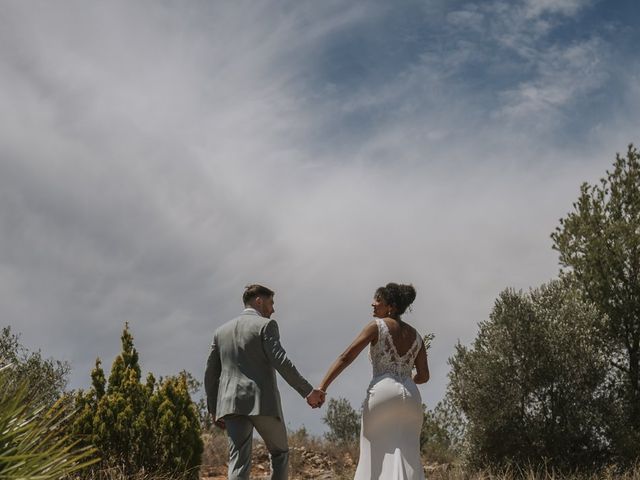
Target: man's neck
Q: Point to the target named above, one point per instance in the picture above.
(251, 310)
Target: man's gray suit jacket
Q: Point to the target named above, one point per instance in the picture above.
(240, 377)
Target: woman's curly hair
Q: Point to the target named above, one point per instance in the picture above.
(397, 295)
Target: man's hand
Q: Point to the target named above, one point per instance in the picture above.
(316, 398)
(220, 424)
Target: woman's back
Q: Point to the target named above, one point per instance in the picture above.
(402, 334)
(387, 358)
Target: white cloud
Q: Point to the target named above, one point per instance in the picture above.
(564, 75)
(469, 19)
(154, 159)
(536, 8)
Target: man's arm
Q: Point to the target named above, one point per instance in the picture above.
(278, 358)
(212, 377)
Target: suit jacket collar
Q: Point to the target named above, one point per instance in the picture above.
(250, 311)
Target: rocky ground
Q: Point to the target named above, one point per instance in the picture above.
(304, 464)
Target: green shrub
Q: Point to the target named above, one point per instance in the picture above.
(151, 426)
(343, 421)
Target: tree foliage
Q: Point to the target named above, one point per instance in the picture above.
(152, 425)
(343, 421)
(442, 432)
(532, 386)
(195, 390)
(45, 379)
(599, 242)
(177, 430)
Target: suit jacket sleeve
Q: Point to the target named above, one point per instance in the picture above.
(212, 377)
(279, 360)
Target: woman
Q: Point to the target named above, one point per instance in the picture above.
(392, 410)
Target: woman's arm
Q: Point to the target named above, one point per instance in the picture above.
(422, 367)
(367, 335)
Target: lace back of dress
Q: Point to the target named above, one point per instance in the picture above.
(385, 358)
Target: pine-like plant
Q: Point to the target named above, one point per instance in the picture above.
(179, 443)
(150, 427)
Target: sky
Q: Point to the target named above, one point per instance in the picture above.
(156, 157)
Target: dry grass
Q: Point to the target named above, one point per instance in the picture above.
(119, 474)
(314, 458)
(305, 471)
(215, 454)
(450, 472)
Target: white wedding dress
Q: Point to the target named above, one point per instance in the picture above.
(391, 415)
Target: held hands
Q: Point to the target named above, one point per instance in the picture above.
(220, 424)
(316, 398)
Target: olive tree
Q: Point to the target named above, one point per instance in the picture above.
(532, 385)
(442, 432)
(44, 378)
(599, 243)
(343, 421)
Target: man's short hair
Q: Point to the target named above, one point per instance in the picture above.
(255, 291)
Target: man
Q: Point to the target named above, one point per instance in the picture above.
(240, 382)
